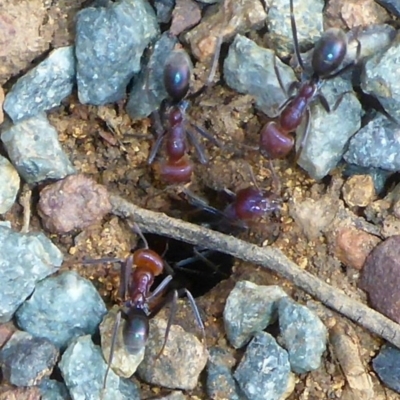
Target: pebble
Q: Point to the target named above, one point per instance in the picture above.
(175, 395)
(61, 308)
(109, 45)
(309, 22)
(380, 278)
(35, 151)
(43, 87)
(164, 10)
(387, 366)
(359, 191)
(243, 16)
(352, 246)
(51, 389)
(181, 362)
(376, 145)
(186, 14)
(25, 360)
(37, 258)
(264, 371)
(220, 381)
(123, 363)
(148, 91)
(250, 308)
(249, 69)
(9, 184)
(75, 202)
(83, 368)
(1, 105)
(392, 6)
(380, 79)
(302, 334)
(14, 393)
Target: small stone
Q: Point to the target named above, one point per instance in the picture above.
(249, 69)
(303, 335)
(181, 362)
(53, 390)
(359, 191)
(392, 6)
(379, 78)
(220, 381)
(35, 151)
(43, 87)
(186, 14)
(61, 308)
(387, 366)
(123, 363)
(37, 258)
(83, 368)
(264, 371)
(26, 360)
(352, 246)
(164, 10)
(1, 105)
(243, 16)
(376, 145)
(249, 309)
(109, 45)
(148, 91)
(76, 202)
(380, 278)
(11, 393)
(9, 185)
(175, 395)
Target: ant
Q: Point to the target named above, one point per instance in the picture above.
(276, 137)
(177, 168)
(138, 271)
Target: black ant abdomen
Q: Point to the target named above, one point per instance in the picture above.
(136, 330)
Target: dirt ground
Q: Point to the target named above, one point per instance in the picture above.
(104, 143)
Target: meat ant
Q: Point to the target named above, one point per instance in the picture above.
(177, 168)
(276, 137)
(138, 271)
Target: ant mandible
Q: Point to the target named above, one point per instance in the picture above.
(177, 168)
(276, 137)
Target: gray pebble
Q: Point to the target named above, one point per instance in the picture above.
(44, 87)
(24, 260)
(83, 368)
(123, 363)
(309, 23)
(62, 308)
(148, 91)
(109, 45)
(387, 366)
(26, 360)
(376, 145)
(264, 371)
(164, 10)
(249, 69)
(380, 78)
(392, 6)
(329, 131)
(249, 309)
(175, 395)
(35, 151)
(181, 362)
(220, 381)
(53, 390)
(9, 184)
(303, 335)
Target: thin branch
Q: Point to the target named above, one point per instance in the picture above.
(268, 257)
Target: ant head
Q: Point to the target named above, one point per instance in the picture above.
(136, 330)
(329, 52)
(177, 71)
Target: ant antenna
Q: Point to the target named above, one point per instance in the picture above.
(135, 227)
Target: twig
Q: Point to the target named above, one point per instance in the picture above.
(267, 257)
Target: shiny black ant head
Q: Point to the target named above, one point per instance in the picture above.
(329, 52)
(136, 330)
(177, 71)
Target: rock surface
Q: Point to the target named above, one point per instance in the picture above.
(9, 185)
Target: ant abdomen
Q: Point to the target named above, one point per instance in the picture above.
(177, 72)
(274, 142)
(177, 171)
(136, 330)
(329, 52)
(147, 259)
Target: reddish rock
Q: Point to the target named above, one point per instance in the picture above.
(381, 278)
(75, 202)
(352, 246)
(186, 14)
(359, 191)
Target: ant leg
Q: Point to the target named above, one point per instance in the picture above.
(199, 148)
(126, 272)
(85, 261)
(155, 148)
(196, 201)
(295, 38)
(303, 140)
(113, 341)
(135, 227)
(207, 135)
(168, 269)
(160, 288)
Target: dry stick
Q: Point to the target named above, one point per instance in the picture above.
(267, 257)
